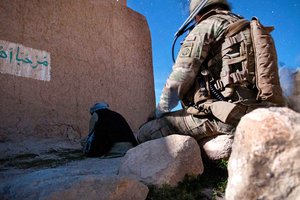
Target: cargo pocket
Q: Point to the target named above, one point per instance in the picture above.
(200, 128)
(149, 131)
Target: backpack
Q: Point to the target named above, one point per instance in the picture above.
(260, 70)
(111, 128)
(267, 78)
(264, 74)
(249, 59)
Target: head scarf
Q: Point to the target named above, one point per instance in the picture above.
(99, 106)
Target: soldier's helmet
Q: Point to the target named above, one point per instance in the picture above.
(194, 3)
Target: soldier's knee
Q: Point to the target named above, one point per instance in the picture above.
(150, 131)
(143, 134)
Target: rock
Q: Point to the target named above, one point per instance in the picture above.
(53, 168)
(217, 147)
(16, 145)
(113, 188)
(33, 152)
(3, 137)
(163, 161)
(265, 159)
(91, 178)
(294, 102)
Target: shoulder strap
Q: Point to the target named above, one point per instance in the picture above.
(236, 27)
(214, 12)
(230, 36)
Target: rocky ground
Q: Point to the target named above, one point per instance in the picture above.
(49, 168)
(45, 168)
(264, 163)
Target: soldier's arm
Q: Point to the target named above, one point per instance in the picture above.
(191, 56)
(185, 70)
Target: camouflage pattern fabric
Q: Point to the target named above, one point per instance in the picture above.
(182, 123)
(194, 50)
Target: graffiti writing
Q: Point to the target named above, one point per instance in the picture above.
(24, 61)
(4, 55)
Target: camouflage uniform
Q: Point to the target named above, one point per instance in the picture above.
(181, 83)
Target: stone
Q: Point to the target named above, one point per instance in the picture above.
(3, 137)
(294, 102)
(217, 147)
(91, 178)
(17, 146)
(113, 188)
(163, 161)
(53, 168)
(265, 159)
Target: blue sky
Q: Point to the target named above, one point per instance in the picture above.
(166, 16)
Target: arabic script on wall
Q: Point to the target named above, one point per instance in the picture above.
(19, 60)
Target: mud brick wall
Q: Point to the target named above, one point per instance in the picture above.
(57, 58)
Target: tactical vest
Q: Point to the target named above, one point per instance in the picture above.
(242, 64)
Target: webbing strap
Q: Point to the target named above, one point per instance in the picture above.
(214, 12)
(229, 41)
(216, 48)
(235, 60)
(236, 27)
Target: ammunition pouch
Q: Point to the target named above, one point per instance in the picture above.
(202, 109)
(229, 113)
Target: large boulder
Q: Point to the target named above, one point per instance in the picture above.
(103, 188)
(53, 168)
(163, 161)
(86, 179)
(23, 152)
(217, 147)
(265, 159)
(294, 102)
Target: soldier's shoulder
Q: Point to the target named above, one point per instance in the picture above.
(220, 17)
(209, 23)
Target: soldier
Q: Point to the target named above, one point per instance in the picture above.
(213, 78)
